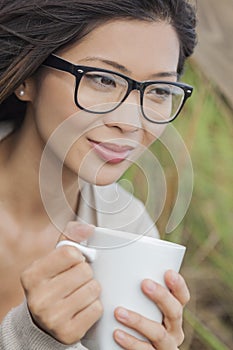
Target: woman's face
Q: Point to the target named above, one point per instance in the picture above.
(101, 147)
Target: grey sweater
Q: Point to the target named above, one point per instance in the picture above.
(18, 332)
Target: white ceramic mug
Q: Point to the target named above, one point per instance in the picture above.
(121, 261)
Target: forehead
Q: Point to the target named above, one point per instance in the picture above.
(141, 46)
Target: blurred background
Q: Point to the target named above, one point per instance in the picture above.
(206, 125)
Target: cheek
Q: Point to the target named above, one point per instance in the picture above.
(53, 104)
(152, 133)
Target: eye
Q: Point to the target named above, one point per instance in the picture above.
(101, 80)
(160, 91)
(104, 80)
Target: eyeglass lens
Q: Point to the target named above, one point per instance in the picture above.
(101, 92)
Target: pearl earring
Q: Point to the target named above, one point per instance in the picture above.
(21, 93)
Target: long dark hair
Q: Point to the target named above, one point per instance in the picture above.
(30, 30)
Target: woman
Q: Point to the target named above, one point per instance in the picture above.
(87, 85)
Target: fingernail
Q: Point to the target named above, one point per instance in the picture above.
(173, 277)
(122, 314)
(119, 335)
(79, 231)
(150, 286)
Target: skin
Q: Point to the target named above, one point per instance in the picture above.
(60, 279)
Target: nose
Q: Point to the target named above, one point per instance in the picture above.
(127, 117)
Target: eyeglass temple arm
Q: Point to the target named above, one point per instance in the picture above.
(58, 63)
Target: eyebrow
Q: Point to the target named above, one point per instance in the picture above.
(126, 71)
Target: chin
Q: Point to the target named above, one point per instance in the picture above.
(105, 175)
(101, 179)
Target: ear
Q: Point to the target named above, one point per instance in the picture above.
(26, 91)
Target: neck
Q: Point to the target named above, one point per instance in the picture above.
(29, 190)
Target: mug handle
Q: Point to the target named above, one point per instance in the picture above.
(89, 253)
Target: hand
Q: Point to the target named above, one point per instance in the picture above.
(62, 296)
(168, 335)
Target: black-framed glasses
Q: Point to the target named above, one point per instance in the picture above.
(101, 91)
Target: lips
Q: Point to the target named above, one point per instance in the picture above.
(111, 152)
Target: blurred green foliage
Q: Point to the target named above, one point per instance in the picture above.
(206, 125)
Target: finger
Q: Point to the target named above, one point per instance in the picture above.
(76, 231)
(81, 298)
(127, 341)
(67, 282)
(58, 261)
(170, 307)
(87, 317)
(153, 331)
(74, 329)
(177, 286)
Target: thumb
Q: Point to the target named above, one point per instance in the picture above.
(77, 232)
